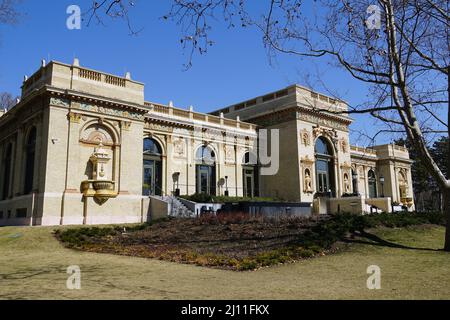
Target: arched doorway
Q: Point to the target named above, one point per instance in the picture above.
(152, 173)
(205, 158)
(30, 151)
(250, 175)
(324, 168)
(372, 180)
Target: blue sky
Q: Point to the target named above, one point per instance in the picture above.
(235, 69)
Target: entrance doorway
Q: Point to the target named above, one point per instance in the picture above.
(152, 169)
(204, 179)
(249, 183)
(250, 175)
(372, 184)
(324, 168)
(206, 171)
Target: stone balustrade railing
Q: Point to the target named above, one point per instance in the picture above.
(363, 150)
(191, 115)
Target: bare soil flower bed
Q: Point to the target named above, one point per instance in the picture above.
(230, 242)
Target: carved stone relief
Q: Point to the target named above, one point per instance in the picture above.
(305, 137)
(229, 153)
(344, 145)
(179, 147)
(96, 134)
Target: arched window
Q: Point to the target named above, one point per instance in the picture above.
(324, 167)
(250, 175)
(151, 147)
(372, 184)
(205, 158)
(205, 155)
(30, 154)
(152, 168)
(7, 168)
(323, 147)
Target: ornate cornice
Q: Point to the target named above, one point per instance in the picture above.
(318, 117)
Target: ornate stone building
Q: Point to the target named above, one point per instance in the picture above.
(84, 146)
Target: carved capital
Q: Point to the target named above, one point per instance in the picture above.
(74, 117)
(125, 125)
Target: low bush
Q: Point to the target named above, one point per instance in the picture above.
(77, 238)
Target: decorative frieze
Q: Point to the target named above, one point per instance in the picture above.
(112, 111)
(59, 102)
(322, 121)
(159, 127)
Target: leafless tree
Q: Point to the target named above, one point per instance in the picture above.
(114, 9)
(8, 11)
(404, 60)
(6, 100)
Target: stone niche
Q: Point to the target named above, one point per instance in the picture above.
(346, 170)
(100, 184)
(307, 170)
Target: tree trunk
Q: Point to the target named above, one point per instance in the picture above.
(446, 193)
(446, 196)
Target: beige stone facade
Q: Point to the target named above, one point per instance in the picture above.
(84, 147)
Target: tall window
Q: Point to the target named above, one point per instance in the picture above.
(324, 167)
(206, 170)
(7, 166)
(30, 154)
(152, 168)
(372, 184)
(250, 175)
(355, 182)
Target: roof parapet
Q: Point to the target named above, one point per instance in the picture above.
(74, 77)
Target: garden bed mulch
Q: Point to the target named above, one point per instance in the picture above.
(239, 245)
(234, 242)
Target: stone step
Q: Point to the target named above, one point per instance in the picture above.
(178, 209)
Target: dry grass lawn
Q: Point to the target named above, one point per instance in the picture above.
(33, 266)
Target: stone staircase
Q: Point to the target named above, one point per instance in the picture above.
(177, 208)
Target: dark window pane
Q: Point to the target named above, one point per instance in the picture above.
(323, 147)
(151, 147)
(7, 171)
(29, 163)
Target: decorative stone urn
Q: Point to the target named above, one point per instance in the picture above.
(100, 187)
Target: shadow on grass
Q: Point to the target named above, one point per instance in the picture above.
(374, 240)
